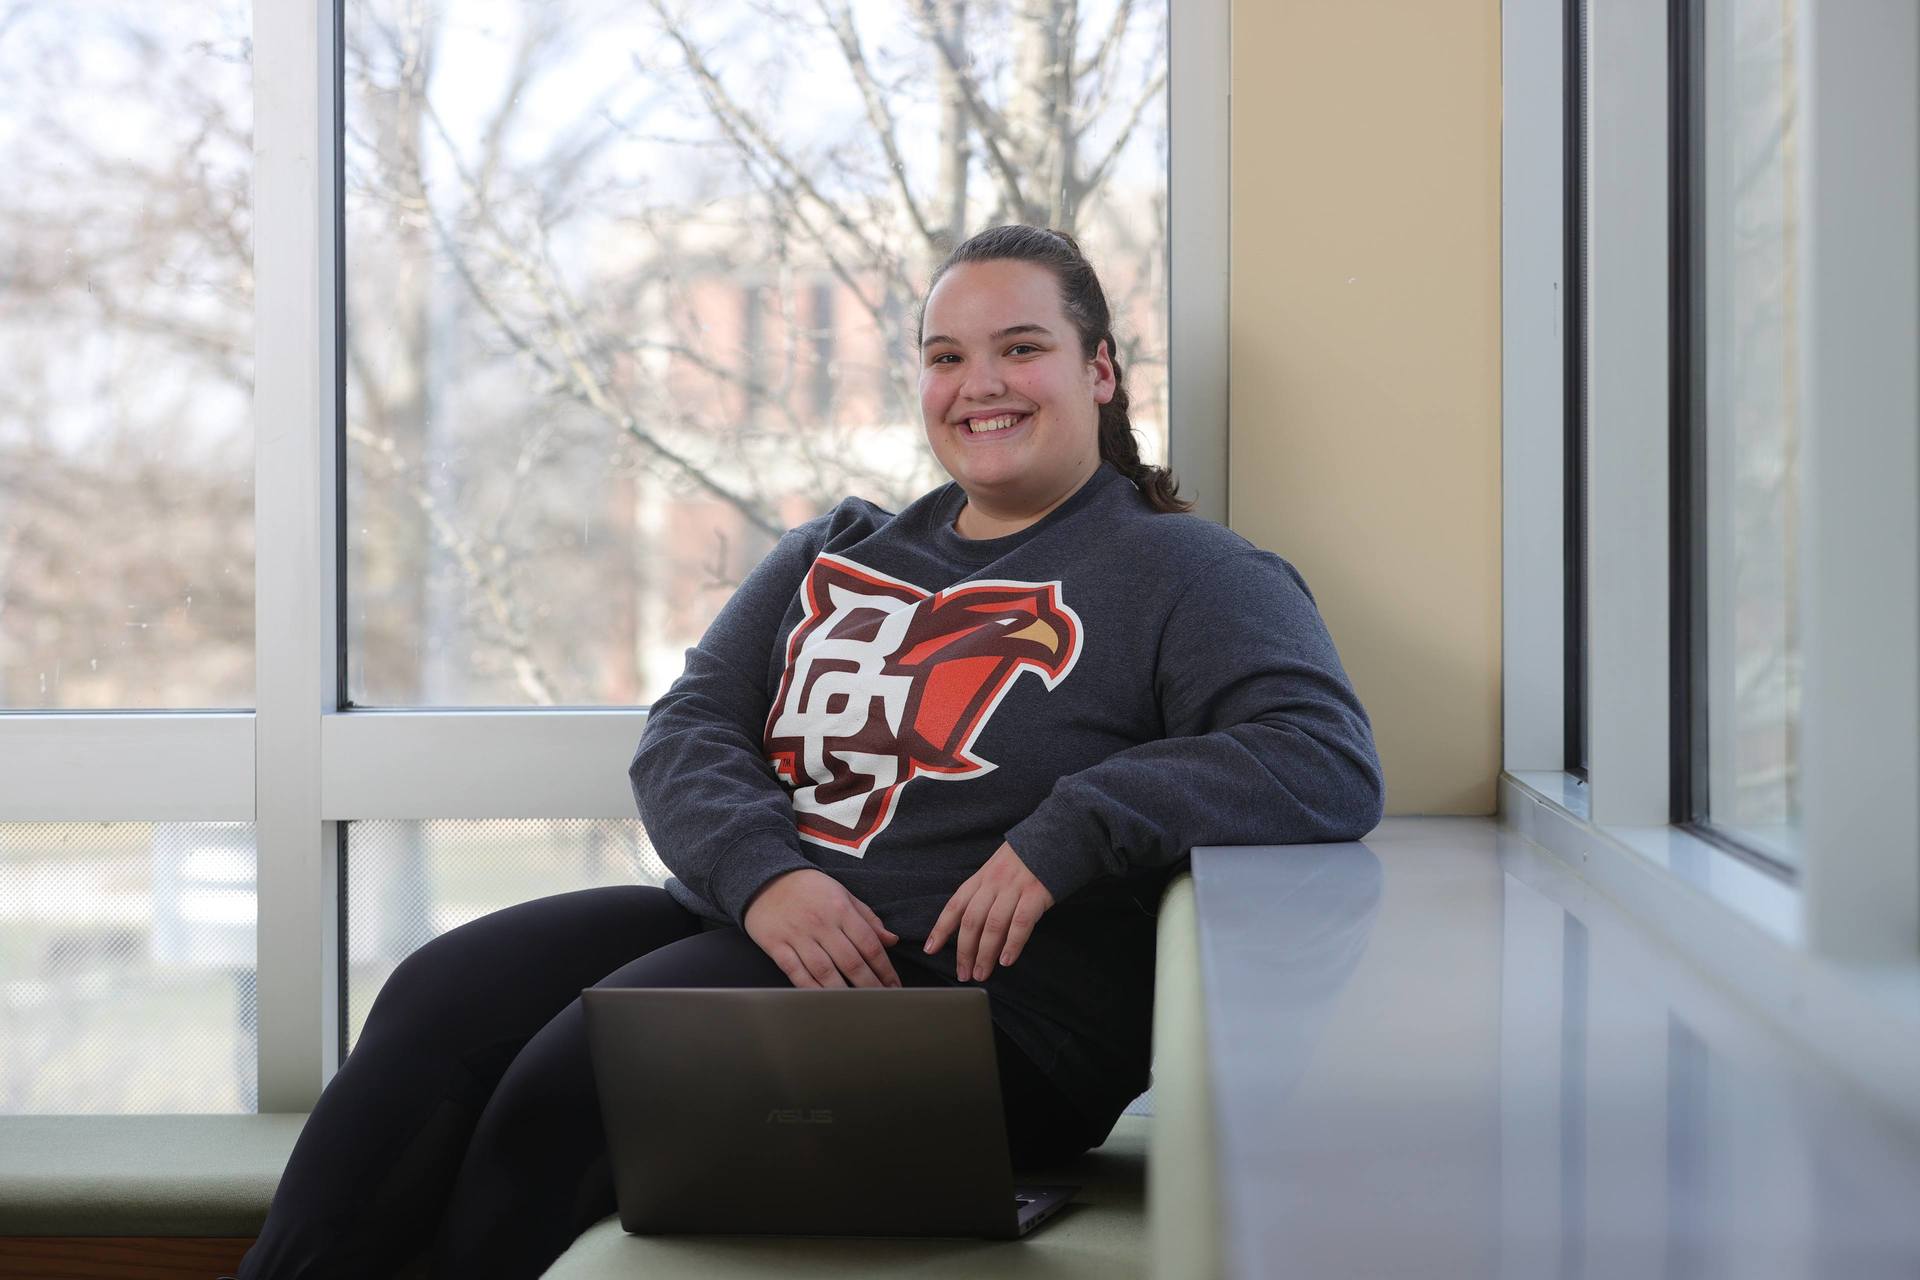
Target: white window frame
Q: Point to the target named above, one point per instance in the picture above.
(1833, 955)
(297, 765)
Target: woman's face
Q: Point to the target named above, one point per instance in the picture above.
(1011, 407)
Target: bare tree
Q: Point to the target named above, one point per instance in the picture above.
(126, 565)
(546, 350)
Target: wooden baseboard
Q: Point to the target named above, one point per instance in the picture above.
(121, 1257)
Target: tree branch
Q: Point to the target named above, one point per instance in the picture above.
(480, 571)
(579, 382)
(992, 127)
(771, 184)
(534, 37)
(841, 20)
(1109, 43)
(1101, 170)
(742, 125)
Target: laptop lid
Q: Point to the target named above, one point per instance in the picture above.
(855, 1111)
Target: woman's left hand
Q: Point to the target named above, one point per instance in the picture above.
(993, 913)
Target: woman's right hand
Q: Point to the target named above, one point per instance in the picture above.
(816, 931)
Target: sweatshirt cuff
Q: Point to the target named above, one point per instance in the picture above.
(1065, 851)
(746, 867)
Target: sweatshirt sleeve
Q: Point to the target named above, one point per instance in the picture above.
(713, 807)
(1266, 742)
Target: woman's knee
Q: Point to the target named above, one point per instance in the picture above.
(537, 953)
(723, 957)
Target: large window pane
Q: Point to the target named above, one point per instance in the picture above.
(410, 882)
(631, 290)
(127, 954)
(1752, 283)
(126, 352)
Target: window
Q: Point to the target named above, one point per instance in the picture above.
(1749, 388)
(126, 351)
(630, 292)
(546, 482)
(127, 950)
(127, 959)
(1737, 424)
(409, 882)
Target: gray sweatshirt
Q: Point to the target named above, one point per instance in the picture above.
(887, 701)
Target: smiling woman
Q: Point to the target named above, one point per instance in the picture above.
(876, 770)
(922, 788)
(968, 742)
(1010, 405)
(1021, 390)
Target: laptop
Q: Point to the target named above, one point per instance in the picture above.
(854, 1111)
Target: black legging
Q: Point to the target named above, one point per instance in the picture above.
(466, 1118)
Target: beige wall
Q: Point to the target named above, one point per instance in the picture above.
(1364, 436)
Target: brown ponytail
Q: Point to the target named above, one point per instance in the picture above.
(1085, 303)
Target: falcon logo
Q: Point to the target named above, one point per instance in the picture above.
(886, 682)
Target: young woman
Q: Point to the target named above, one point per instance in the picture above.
(968, 742)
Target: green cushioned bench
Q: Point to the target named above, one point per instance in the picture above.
(112, 1189)
(141, 1175)
(147, 1196)
(1102, 1234)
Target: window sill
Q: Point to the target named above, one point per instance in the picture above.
(1762, 899)
(1741, 925)
(1562, 789)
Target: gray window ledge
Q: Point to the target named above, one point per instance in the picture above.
(1439, 1051)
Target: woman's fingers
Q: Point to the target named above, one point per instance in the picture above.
(789, 961)
(819, 963)
(991, 916)
(837, 959)
(972, 921)
(888, 936)
(949, 916)
(870, 939)
(848, 958)
(993, 937)
(1026, 914)
(873, 949)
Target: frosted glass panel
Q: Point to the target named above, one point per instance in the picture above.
(127, 967)
(409, 882)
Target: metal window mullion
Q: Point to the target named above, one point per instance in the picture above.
(508, 763)
(1199, 62)
(176, 766)
(1689, 512)
(1573, 435)
(1627, 440)
(1860, 467)
(1533, 213)
(295, 407)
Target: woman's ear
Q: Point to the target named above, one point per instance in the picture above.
(1104, 379)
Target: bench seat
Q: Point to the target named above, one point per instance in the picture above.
(1101, 1235)
(112, 1194)
(125, 1177)
(181, 1175)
